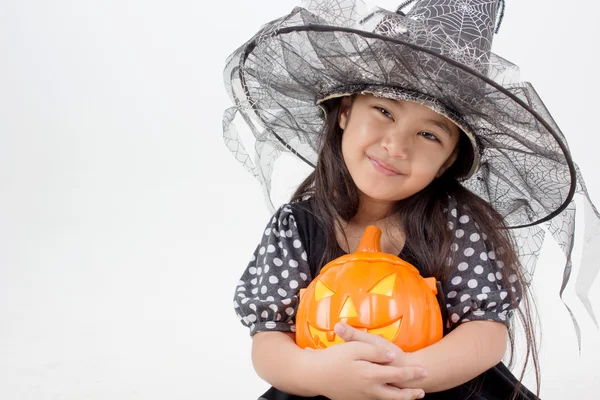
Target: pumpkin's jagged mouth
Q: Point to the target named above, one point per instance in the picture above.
(324, 339)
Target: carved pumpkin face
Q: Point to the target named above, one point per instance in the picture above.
(376, 292)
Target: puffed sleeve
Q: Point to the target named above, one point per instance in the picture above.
(475, 289)
(267, 295)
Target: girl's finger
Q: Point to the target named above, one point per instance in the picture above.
(371, 353)
(351, 334)
(400, 375)
(393, 393)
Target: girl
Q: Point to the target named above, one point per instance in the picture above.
(409, 129)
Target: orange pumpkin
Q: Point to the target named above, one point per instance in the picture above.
(372, 291)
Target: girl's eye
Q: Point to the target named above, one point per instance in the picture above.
(384, 112)
(428, 136)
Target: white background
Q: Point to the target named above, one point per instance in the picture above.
(125, 223)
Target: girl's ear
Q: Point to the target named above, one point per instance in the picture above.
(345, 104)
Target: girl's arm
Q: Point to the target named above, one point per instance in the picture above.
(466, 352)
(469, 350)
(349, 371)
(279, 361)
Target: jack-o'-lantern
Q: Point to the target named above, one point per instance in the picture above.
(372, 291)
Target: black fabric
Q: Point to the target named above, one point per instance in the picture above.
(497, 383)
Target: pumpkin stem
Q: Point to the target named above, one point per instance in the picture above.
(371, 240)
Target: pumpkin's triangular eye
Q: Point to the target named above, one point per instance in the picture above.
(322, 291)
(385, 286)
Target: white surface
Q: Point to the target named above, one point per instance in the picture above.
(119, 198)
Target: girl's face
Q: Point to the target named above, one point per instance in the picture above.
(394, 148)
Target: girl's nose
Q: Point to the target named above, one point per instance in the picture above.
(397, 144)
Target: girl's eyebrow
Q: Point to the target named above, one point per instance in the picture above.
(442, 125)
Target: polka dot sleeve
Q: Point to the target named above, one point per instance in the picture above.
(266, 297)
(475, 289)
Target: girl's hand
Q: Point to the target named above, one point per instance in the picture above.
(361, 371)
(350, 334)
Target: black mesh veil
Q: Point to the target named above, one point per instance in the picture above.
(438, 54)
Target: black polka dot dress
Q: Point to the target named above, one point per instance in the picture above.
(287, 259)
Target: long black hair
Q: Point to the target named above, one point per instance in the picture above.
(335, 196)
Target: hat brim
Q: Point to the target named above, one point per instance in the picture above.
(524, 168)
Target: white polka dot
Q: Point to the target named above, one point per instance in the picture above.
(289, 311)
(286, 301)
(270, 248)
(253, 281)
(273, 307)
(500, 264)
(451, 294)
(465, 320)
(492, 255)
(293, 327)
(281, 292)
(482, 296)
(499, 275)
(505, 306)
(450, 225)
(270, 325)
(464, 219)
(285, 221)
(463, 266)
(297, 244)
(267, 267)
(503, 295)
(255, 290)
(293, 284)
(253, 258)
(273, 280)
(459, 233)
(252, 318)
(303, 255)
(303, 276)
(288, 233)
(502, 315)
(478, 269)
(491, 277)
(252, 270)
(469, 252)
(241, 295)
(491, 304)
(282, 233)
(270, 298)
(466, 309)
(293, 263)
(483, 256)
(485, 289)
(245, 300)
(261, 251)
(267, 231)
(276, 234)
(512, 278)
(454, 317)
(285, 252)
(277, 262)
(474, 237)
(456, 280)
(472, 283)
(454, 247)
(514, 289)
(258, 271)
(280, 245)
(479, 313)
(453, 212)
(464, 298)
(263, 289)
(285, 273)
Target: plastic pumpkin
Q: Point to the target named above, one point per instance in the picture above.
(372, 291)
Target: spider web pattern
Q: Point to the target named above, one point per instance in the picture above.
(278, 76)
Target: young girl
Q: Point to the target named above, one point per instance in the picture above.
(414, 126)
